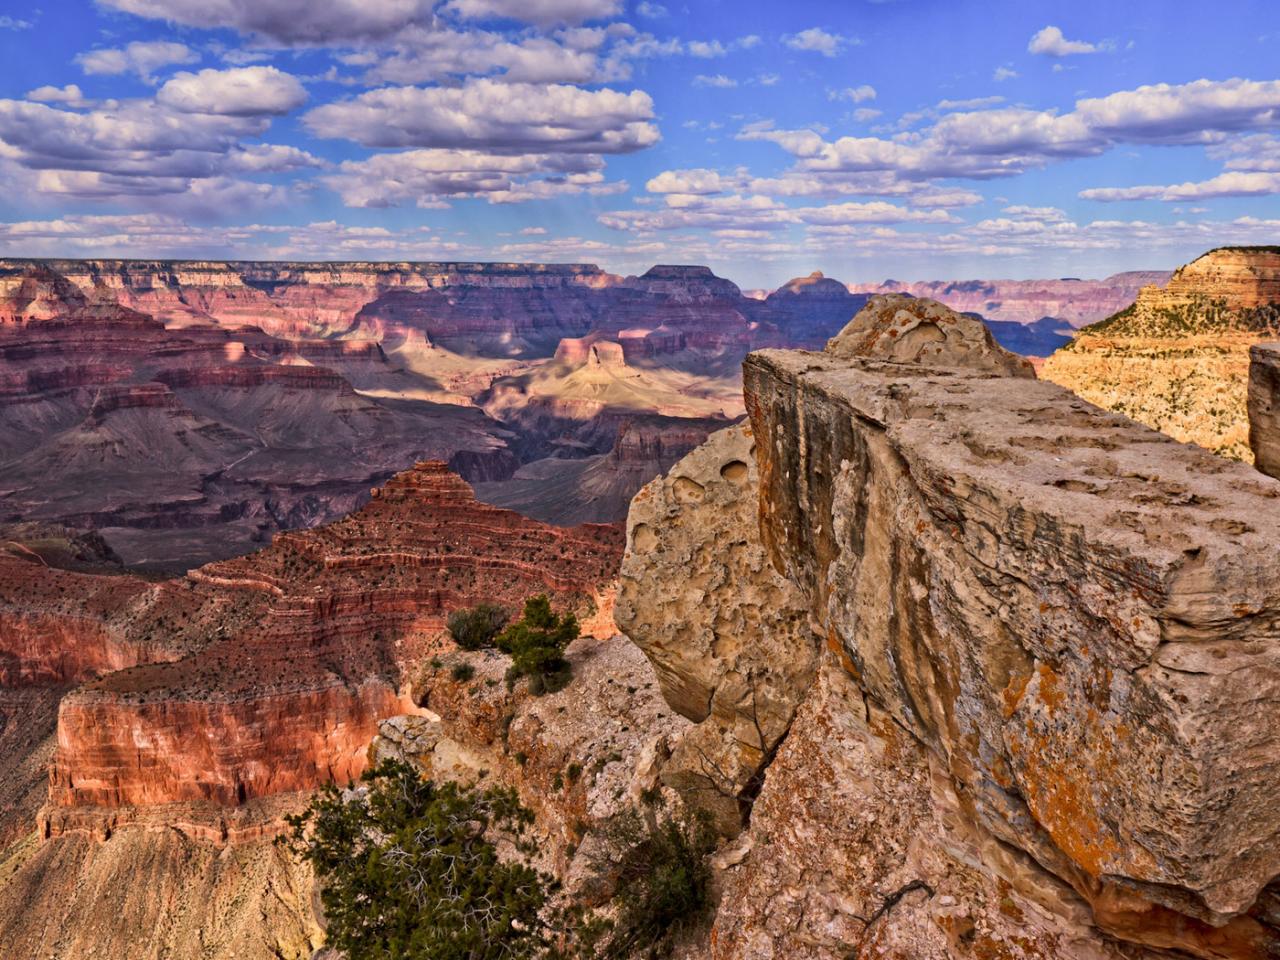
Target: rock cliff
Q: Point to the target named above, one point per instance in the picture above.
(1042, 721)
(199, 710)
(1177, 358)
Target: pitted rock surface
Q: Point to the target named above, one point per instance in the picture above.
(728, 636)
(903, 329)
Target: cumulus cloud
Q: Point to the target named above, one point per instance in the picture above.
(1006, 141)
(1231, 184)
(71, 95)
(235, 92)
(484, 114)
(429, 177)
(13, 23)
(1002, 74)
(142, 57)
(421, 56)
(859, 94)
(1051, 43)
(338, 22)
(537, 11)
(651, 11)
(816, 40)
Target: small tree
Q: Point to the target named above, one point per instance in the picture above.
(536, 643)
(662, 879)
(476, 628)
(410, 871)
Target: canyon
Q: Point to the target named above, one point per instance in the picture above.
(204, 708)
(958, 663)
(1177, 358)
(1073, 301)
(187, 410)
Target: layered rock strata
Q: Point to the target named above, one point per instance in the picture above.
(1264, 407)
(291, 699)
(1073, 301)
(1177, 358)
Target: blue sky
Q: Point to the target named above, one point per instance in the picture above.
(913, 139)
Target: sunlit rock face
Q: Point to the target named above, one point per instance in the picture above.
(1177, 358)
(1043, 722)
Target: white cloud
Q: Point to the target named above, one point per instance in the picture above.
(865, 114)
(485, 114)
(1259, 151)
(705, 49)
(337, 22)
(142, 57)
(430, 177)
(235, 92)
(715, 80)
(422, 56)
(71, 95)
(652, 11)
(1004, 73)
(816, 40)
(768, 79)
(853, 94)
(1231, 184)
(13, 23)
(973, 103)
(533, 232)
(1051, 43)
(1007, 141)
(537, 11)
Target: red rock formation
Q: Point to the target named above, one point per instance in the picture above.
(287, 695)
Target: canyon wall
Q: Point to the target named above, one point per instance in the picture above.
(196, 712)
(1043, 723)
(1177, 358)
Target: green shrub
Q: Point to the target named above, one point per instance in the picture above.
(536, 643)
(662, 879)
(462, 672)
(476, 628)
(409, 870)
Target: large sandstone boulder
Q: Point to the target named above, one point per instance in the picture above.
(903, 329)
(1074, 614)
(728, 636)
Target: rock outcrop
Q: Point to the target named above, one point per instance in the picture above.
(728, 637)
(292, 699)
(909, 330)
(1044, 720)
(1264, 407)
(1177, 358)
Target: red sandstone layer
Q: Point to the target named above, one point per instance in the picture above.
(277, 667)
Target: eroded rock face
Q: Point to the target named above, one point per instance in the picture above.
(903, 329)
(857, 848)
(577, 757)
(728, 637)
(1177, 358)
(1073, 613)
(1264, 407)
(267, 674)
